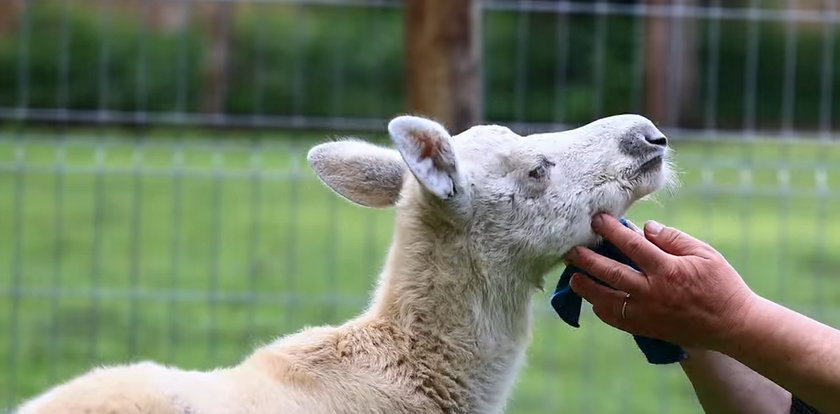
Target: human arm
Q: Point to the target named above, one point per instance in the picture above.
(725, 386)
(688, 294)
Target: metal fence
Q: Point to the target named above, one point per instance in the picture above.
(156, 202)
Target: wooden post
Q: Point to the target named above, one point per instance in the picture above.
(9, 16)
(671, 63)
(656, 65)
(219, 18)
(443, 61)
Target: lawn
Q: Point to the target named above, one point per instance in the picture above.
(193, 250)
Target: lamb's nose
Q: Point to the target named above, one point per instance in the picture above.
(659, 140)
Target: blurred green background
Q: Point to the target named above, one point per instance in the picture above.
(191, 244)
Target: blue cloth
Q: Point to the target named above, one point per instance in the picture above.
(567, 305)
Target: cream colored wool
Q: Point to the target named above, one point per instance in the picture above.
(481, 218)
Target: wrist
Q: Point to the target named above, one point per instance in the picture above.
(741, 321)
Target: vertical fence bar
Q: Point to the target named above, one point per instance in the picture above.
(255, 164)
(298, 68)
(104, 56)
(292, 229)
(99, 184)
(789, 83)
(710, 119)
(784, 172)
(255, 237)
(17, 266)
(96, 270)
(136, 253)
(23, 62)
(215, 252)
(520, 82)
(827, 72)
(599, 57)
(181, 68)
(62, 97)
(712, 69)
(135, 247)
(58, 257)
(745, 175)
(821, 172)
(751, 68)
(561, 72)
(175, 248)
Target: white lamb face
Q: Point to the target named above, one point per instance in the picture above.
(528, 197)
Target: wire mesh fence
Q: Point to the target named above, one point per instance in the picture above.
(157, 205)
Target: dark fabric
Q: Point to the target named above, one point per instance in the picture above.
(798, 406)
(567, 305)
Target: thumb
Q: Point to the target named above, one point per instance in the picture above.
(674, 241)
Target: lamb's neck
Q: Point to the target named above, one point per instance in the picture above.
(433, 282)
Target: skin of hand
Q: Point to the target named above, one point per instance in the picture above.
(684, 283)
(688, 294)
(726, 386)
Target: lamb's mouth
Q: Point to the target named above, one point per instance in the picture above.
(651, 165)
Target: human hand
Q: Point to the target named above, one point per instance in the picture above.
(687, 293)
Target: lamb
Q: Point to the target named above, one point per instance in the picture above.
(481, 218)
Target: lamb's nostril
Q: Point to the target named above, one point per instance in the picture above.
(657, 140)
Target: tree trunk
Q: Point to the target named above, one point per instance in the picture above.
(217, 64)
(656, 65)
(671, 64)
(9, 18)
(443, 61)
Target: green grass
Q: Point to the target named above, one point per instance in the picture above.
(129, 256)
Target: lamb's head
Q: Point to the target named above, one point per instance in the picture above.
(528, 198)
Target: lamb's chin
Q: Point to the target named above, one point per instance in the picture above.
(663, 181)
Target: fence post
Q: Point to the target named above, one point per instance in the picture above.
(671, 64)
(219, 19)
(9, 10)
(443, 61)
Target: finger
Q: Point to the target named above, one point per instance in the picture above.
(615, 274)
(606, 302)
(646, 254)
(676, 242)
(594, 292)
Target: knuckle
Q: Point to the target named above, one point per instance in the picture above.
(634, 246)
(602, 313)
(669, 268)
(614, 275)
(673, 237)
(586, 259)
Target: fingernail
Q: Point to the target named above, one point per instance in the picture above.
(653, 227)
(571, 255)
(576, 280)
(597, 221)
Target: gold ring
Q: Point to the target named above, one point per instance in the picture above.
(624, 307)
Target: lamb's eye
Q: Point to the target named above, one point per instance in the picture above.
(537, 173)
(541, 170)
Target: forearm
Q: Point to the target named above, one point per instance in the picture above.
(724, 385)
(796, 352)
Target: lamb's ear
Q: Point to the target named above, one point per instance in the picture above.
(427, 149)
(360, 172)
